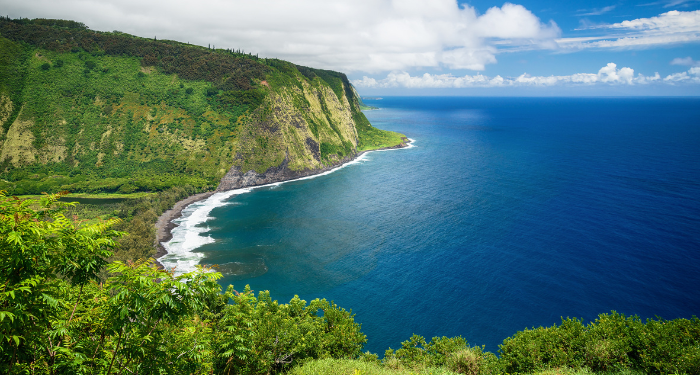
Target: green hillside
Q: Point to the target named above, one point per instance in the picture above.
(108, 114)
(97, 112)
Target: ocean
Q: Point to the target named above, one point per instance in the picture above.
(504, 213)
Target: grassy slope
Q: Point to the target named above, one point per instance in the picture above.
(372, 138)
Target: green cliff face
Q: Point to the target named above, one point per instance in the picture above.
(87, 111)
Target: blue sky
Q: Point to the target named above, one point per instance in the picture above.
(433, 47)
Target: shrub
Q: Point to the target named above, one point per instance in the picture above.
(539, 348)
(664, 347)
(127, 188)
(45, 66)
(466, 361)
(260, 336)
(52, 309)
(607, 342)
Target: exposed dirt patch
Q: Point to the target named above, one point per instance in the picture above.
(192, 145)
(105, 135)
(55, 151)
(41, 57)
(5, 109)
(18, 143)
(100, 156)
(148, 69)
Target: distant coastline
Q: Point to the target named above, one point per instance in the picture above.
(368, 108)
(165, 223)
(365, 107)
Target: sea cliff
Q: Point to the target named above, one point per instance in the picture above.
(107, 112)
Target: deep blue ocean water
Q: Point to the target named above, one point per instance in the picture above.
(507, 213)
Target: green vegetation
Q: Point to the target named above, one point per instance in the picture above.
(57, 316)
(372, 138)
(64, 308)
(108, 112)
(140, 124)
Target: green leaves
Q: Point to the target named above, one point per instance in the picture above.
(35, 253)
(258, 335)
(613, 342)
(54, 316)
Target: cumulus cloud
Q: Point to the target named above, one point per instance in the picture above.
(347, 35)
(609, 74)
(667, 28)
(691, 76)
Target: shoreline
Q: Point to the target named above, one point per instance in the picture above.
(164, 225)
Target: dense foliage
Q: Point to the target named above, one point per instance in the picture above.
(56, 317)
(613, 342)
(227, 69)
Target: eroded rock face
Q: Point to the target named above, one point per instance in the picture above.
(285, 138)
(234, 179)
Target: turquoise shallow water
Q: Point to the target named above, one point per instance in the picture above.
(507, 213)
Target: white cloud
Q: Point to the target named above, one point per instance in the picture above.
(667, 28)
(347, 35)
(687, 61)
(675, 3)
(598, 11)
(609, 75)
(691, 76)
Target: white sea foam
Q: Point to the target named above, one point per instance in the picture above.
(189, 234)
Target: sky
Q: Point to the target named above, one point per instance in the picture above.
(432, 47)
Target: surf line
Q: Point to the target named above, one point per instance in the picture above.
(188, 233)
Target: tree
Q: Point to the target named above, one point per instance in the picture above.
(55, 317)
(41, 254)
(261, 336)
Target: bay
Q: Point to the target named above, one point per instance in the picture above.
(505, 213)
